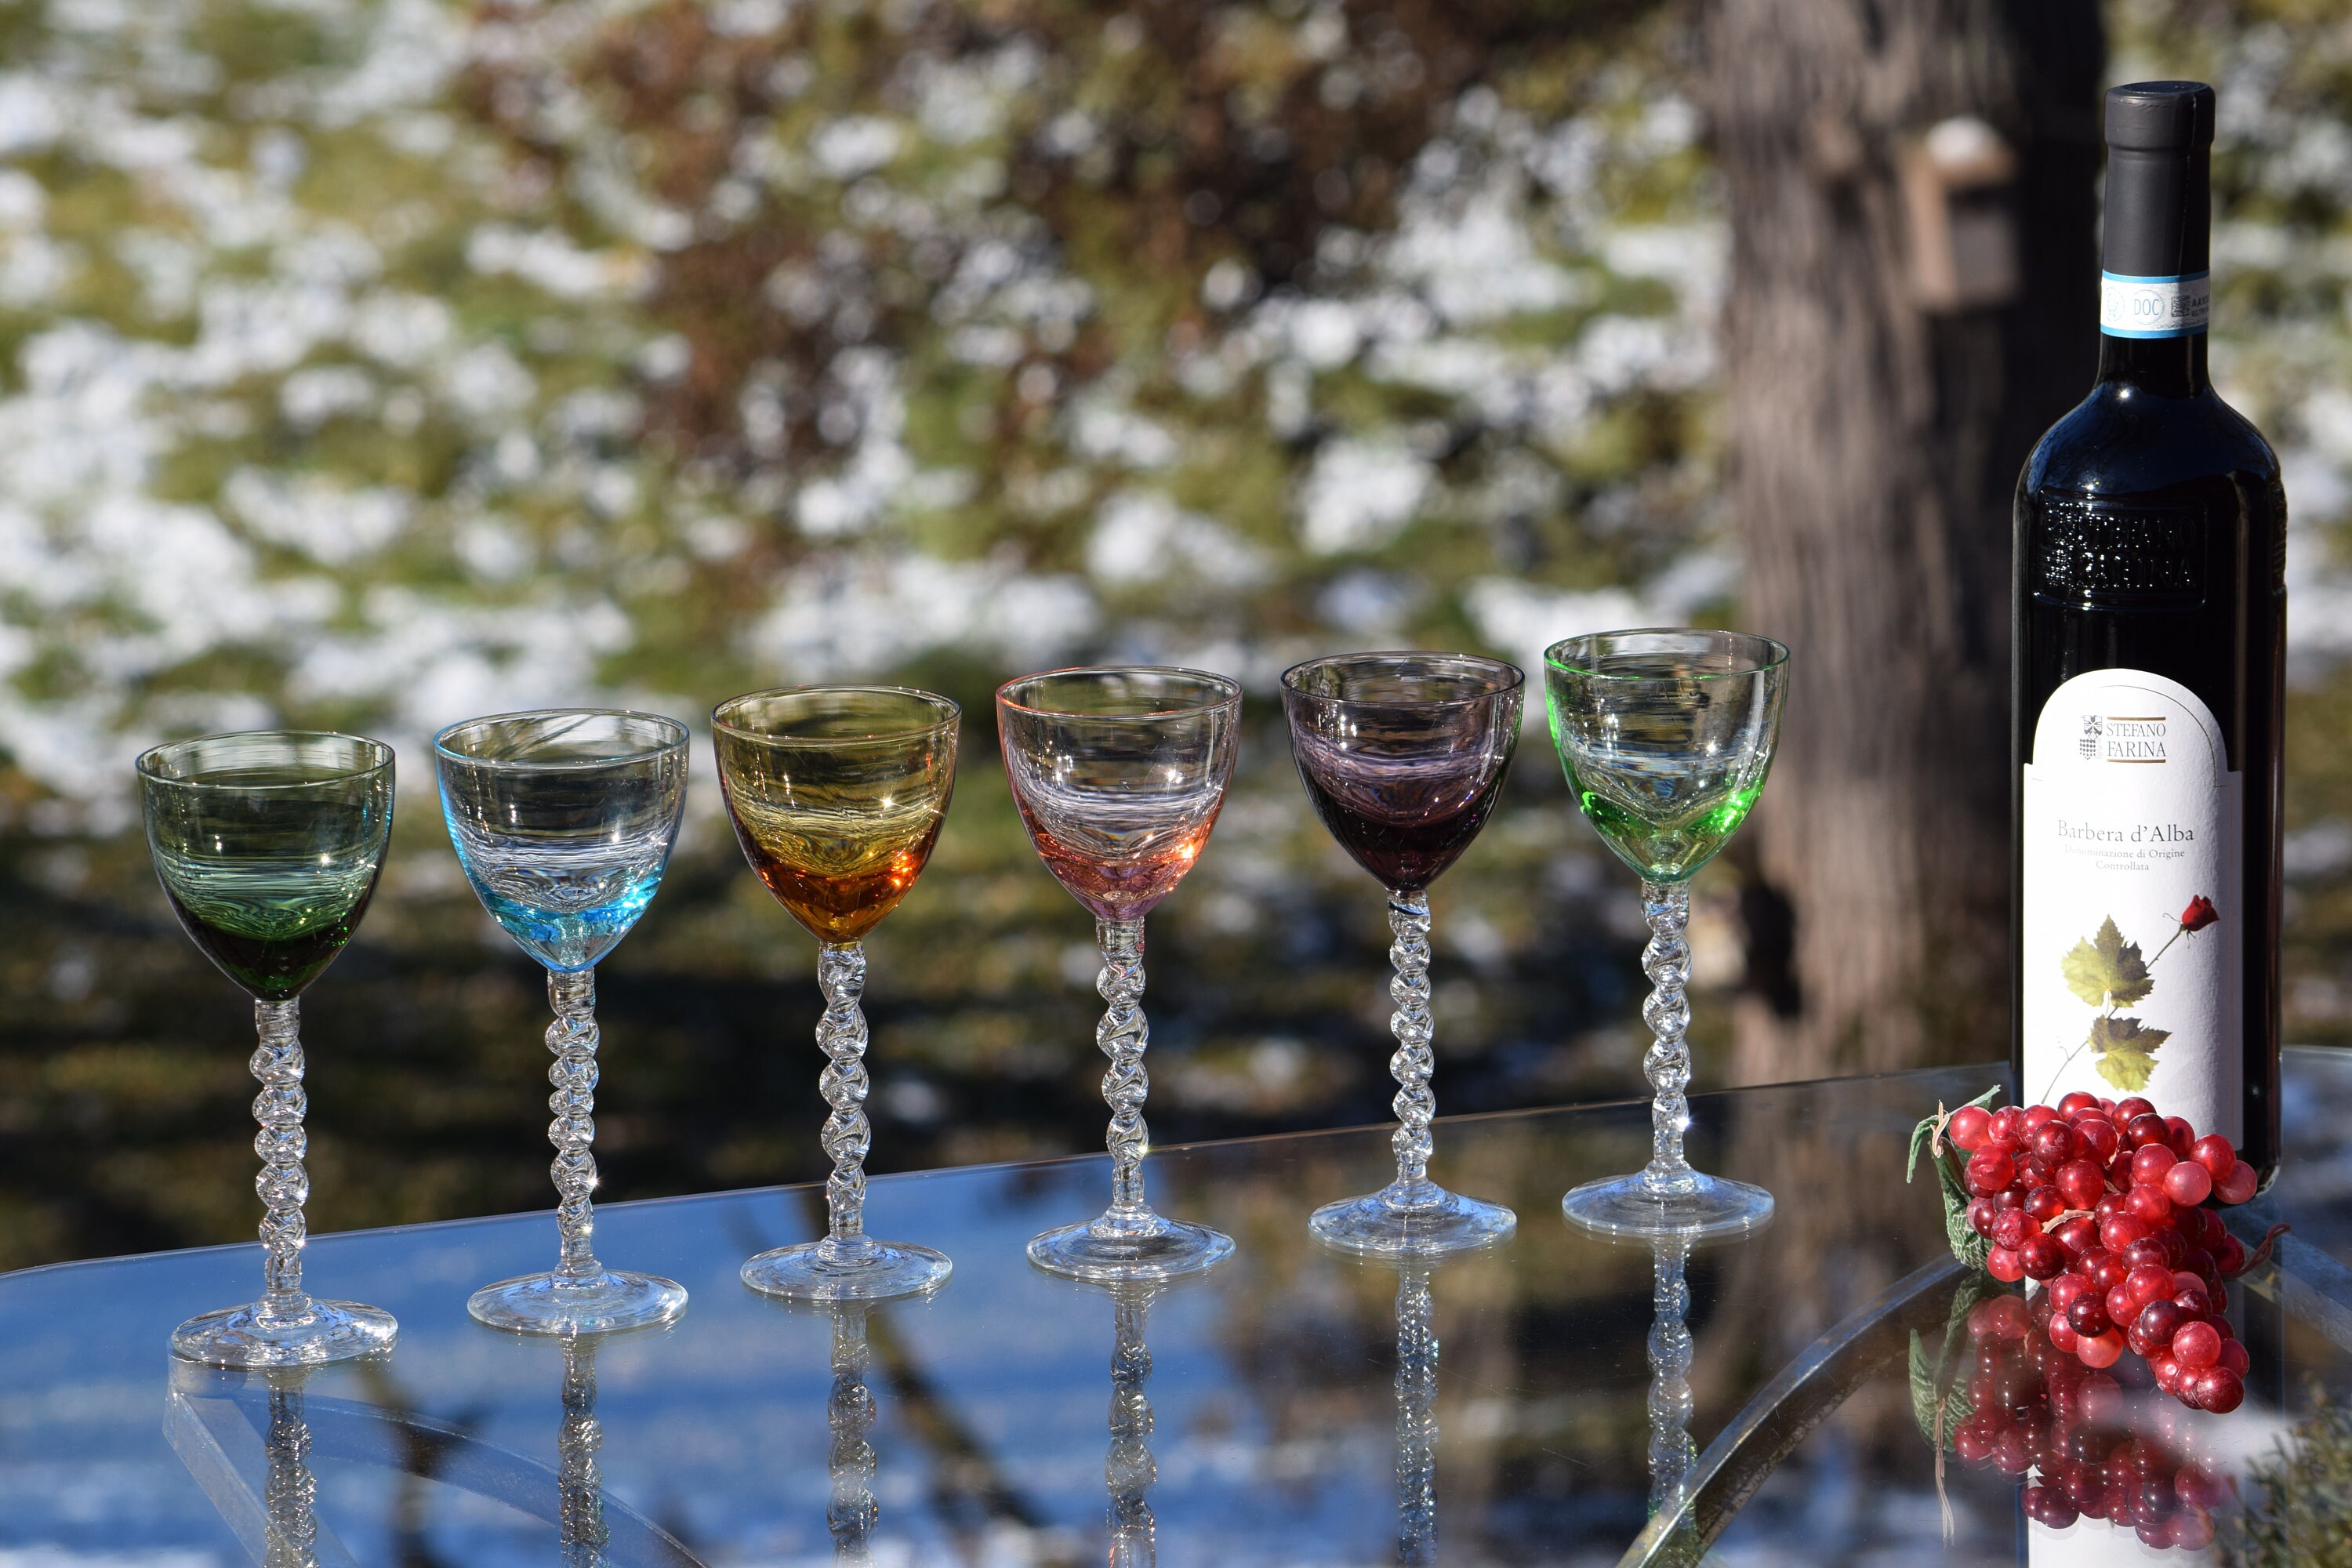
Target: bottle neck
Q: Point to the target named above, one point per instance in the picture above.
(2165, 367)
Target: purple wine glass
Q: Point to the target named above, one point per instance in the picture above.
(1403, 756)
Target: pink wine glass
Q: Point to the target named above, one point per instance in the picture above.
(1403, 756)
(1118, 774)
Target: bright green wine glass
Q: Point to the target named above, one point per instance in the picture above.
(1666, 735)
(268, 843)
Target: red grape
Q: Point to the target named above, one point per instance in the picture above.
(2147, 1283)
(2003, 1265)
(2078, 1236)
(2159, 1320)
(2101, 1351)
(2099, 1136)
(2121, 1231)
(2218, 1389)
(2076, 1104)
(2188, 1183)
(2196, 1345)
(2239, 1184)
(2127, 1111)
(2148, 1164)
(2081, 1184)
(2235, 1358)
(2214, 1152)
(2042, 1258)
(1990, 1169)
(1970, 1126)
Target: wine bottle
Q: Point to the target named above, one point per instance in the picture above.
(2148, 676)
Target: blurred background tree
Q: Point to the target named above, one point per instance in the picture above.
(376, 364)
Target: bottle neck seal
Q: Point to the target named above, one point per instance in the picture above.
(2154, 282)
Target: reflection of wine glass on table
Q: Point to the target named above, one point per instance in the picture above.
(1403, 756)
(271, 1505)
(851, 1514)
(268, 845)
(1666, 736)
(1128, 1469)
(1120, 774)
(837, 794)
(564, 821)
(580, 1530)
(1416, 1417)
(1671, 1449)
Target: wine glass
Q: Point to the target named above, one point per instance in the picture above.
(837, 793)
(1118, 774)
(1666, 735)
(563, 821)
(1403, 756)
(268, 843)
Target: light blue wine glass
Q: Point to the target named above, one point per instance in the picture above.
(564, 821)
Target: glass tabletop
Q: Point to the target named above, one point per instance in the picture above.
(1533, 1404)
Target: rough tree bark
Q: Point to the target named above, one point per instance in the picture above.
(1873, 448)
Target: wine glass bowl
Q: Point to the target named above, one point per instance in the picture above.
(563, 821)
(837, 794)
(1403, 756)
(268, 845)
(1666, 735)
(1118, 774)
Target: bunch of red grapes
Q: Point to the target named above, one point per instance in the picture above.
(2036, 1408)
(2104, 1202)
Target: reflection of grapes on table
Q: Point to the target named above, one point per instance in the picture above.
(2091, 1448)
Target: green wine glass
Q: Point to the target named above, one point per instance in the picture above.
(268, 843)
(1666, 735)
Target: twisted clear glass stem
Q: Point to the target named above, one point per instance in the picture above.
(580, 1531)
(841, 1034)
(283, 1185)
(852, 1513)
(1666, 960)
(1416, 1420)
(289, 1493)
(1670, 1363)
(1123, 1034)
(572, 1038)
(1413, 1061)
(1128, 1469)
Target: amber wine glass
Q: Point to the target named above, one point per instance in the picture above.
(268, 845)
(837, 793)
(1120, 774)
(1666, 735)
(1403, 756)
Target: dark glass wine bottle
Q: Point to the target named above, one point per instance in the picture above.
(2148, 670)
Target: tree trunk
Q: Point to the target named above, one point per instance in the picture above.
(1873, 444)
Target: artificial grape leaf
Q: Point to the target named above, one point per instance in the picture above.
(1967, 1244)
(1940, 1399)
(2126, 1050)
(2106, 968)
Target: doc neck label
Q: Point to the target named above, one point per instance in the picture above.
(2155, 307)
(2132, 893)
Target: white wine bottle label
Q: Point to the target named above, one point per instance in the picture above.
(2155, 307)
(2132, 898)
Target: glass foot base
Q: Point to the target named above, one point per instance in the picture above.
(1152, 1249)
(1622, 1205)
(823, 1271)
(543, 1304)
(1422, 1220)
(329, 1331)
